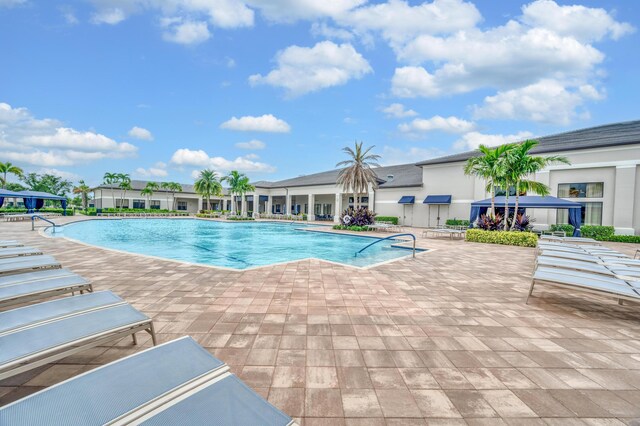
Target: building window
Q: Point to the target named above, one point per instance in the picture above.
(591, 214)
(122, 204)
(182, 205)
(138, 204)
(154, 205)
(361, 200)
(500, 192)
(581, 190)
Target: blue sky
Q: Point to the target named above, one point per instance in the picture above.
(161, 89)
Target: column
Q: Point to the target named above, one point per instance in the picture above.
(545, 216)
(623, 200)
(269, 204)
(287, 204)
(337, 208)
(199, 203)
(311, 201)
(372, 202)
(243, 205)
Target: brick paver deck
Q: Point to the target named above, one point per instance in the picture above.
(443, 339)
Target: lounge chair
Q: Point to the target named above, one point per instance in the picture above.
(584, 281)
(21, 288)
(176, 383)
(22, 264)
(41, 341)
(576, 265)
(583, 257)
(571, 240)
(10, 243)
(9, 252)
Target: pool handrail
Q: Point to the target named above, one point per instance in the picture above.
(33, 222)
(388, 238)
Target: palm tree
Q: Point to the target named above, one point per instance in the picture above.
(6, 168)
(207, 185)
(176, 187)
(148, 191)
(358, 173)
(519, 165)
(243, 187)
(83, 191)
(109, 179)
(125, 184)
(234, 179)
(488, 167)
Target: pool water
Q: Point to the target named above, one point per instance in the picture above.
(238, 245)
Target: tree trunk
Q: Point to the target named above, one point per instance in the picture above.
(506, 210)
(493, 200)
(515, 212)
(113, 196)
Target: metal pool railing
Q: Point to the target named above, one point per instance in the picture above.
(388, 238)
(33, 222)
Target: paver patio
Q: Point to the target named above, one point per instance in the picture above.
(444, 339)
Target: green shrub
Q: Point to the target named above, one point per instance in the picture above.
(390, 219)
(239, 218)
(457, 222)
(510, 238)
(351, 228)
(568, 229)
(624, 239)
(601, 233)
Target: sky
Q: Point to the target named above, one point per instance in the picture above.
(162, 89)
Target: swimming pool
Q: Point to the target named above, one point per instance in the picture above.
(239, 245)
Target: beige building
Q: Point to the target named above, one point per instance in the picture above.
(603, 177)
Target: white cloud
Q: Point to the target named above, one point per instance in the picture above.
(157, 170)
(392, 155)
(397, 110)
(46, 142)
(189, 157)
(583, 23)
(322, 30)
(185, 32)
(264, 123)
(398, 21)
(11, 3)
(473, 140)
(294, 10)
(437, 123)
(252, 144)
(69, 15)
(302, 70)
(546, 101)
(61, 173)
(110, 16)
(140, 133)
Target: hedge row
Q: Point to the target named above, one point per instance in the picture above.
(600, 233)
(457, 222)
(239, 218)
(390, 219)
(351, 228)
(510, 238)
(624, 239)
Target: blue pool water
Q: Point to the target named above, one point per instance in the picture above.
(237, 245)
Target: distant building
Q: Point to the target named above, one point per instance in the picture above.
(603, 177)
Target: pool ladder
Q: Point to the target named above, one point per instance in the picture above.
(33, 222)
(388, 238)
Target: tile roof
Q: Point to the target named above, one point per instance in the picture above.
(616, 134)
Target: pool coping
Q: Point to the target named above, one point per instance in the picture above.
(419, 251)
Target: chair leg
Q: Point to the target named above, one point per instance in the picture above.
(533, 282)
(135, 339)
(152, 332)
(620, 302)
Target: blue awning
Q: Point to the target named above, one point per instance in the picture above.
(407, 199)
(530, 201)
(437, 199)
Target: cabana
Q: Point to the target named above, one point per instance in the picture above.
(478, 208)
(33, 200)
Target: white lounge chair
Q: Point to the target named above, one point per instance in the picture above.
(18, 265)
(10, 243)
(584, 281)
(9, 252)
(21, 288)
(176, 383)
(571, 240)
(44, 333)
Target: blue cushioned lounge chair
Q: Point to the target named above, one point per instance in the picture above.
(176, 383)
(9, 252)
(40, 334)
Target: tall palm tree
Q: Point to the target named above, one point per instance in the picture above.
(175, 187)
(6, 168)
(358, 173)
(125, 184)
(148, 191)
(83, 191)
(166, 187)
(520, 164)
(234, 179)
(207, 185)
(489, 167)
(110, 179)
